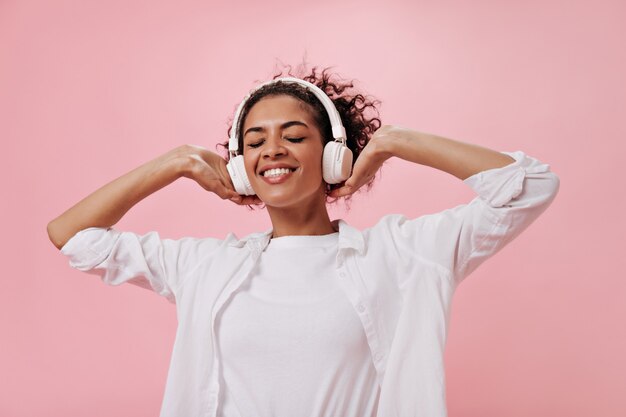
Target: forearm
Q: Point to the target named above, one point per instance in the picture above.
(106, 206)
(454, 157)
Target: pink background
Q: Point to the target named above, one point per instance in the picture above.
(91, 89)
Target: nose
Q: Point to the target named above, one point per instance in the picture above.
(273, 148)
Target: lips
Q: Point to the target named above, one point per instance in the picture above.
(274, 166)
(278, 179)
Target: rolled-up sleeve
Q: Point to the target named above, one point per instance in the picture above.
(147, 261)
(459, 239)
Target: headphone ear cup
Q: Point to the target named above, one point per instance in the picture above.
(237, 171)
(336, 162)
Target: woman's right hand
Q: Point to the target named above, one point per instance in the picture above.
(209, 170)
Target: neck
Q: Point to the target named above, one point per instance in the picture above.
(306, 219)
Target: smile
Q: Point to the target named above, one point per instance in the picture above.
(277, 171)
(277, 175)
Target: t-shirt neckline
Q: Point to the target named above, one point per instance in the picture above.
(298, 241)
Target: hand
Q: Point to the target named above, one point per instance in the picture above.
(369, 161)
(209, 170)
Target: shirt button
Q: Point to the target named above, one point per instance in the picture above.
(360, 307)
(342, 274)
(378, 357)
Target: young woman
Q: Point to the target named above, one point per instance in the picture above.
(312, 317)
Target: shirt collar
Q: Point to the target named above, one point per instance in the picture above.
(349, 238)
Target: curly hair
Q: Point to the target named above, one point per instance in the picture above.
(351, 105)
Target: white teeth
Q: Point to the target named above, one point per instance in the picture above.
(276, 172)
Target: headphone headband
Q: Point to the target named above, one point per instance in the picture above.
(339, 132)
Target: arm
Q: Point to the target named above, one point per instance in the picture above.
(454, 157)
(106, 206)
(457, 158)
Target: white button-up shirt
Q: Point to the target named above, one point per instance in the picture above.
(399, 275)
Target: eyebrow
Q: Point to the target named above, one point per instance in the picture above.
(283, 126)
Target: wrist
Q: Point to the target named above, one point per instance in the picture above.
(183, 166)
(184, 160)
(410, 145)
(389, 141)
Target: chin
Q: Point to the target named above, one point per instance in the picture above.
(285, 200)
(279, 201)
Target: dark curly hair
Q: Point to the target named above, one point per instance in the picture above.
(351, 105)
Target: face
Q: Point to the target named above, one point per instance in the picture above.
(282, 150)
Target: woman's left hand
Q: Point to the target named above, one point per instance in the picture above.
(375, 153)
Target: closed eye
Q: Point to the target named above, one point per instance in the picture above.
(293, 140)
(255, 145)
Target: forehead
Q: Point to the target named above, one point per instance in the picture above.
(276, 109)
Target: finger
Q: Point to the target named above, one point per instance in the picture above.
(230, 191)
(247, 200)
(359, 175)
(252, 199)
(224, 192)
(359, 170)
(342, 191)
(352, 184)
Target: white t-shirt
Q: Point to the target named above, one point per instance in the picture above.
(290, 341)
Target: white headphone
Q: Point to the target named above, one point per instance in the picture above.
(337, 158)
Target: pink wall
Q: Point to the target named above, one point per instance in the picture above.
(91, 89)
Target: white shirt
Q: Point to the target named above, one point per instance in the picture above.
(399, 276)
(290, 341)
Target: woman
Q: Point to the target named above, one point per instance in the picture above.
(312, 317)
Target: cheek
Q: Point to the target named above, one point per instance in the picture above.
(315, 168)
(248, 161)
